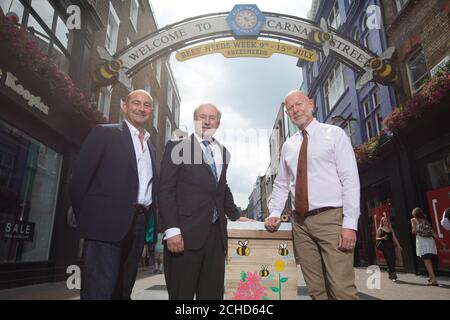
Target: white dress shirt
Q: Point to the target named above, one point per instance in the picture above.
(333, 179)
(144, 166)
(445, 223)
(218, 160)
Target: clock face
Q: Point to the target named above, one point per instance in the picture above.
(246, 19)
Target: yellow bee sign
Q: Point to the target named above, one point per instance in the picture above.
(247, 48)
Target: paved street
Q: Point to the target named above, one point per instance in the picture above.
(151, 286)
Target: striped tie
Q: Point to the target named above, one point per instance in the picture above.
(209, 155)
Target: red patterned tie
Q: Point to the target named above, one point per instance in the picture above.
(301, 183)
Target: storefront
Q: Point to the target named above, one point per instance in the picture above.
(40, 135)
(412, 169)
(383, 194)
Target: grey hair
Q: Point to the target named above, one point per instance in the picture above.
(219, 114)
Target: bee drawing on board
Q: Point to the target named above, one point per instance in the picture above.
(243, 250)
(264, 272)
(283, 250)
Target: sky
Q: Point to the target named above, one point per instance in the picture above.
(248, 91)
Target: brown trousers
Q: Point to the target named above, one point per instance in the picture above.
(328, 271)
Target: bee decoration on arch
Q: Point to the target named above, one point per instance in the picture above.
(322, 37)
(110, 71)
(264, 272)
(283, 250)
(379, 69)
(243, 250)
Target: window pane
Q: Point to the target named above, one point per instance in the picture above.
(155, 113)
(366, 107)
(369, 129)
(62, 33)
(29, 178)
(12, 6)
(45, 11)
(379, 119)
(42, 37)
(418, 69)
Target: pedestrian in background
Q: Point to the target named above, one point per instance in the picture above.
(386, 242)
(159, 254)
(425, 244)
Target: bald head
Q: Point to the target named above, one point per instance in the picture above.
(206, 119)
(134, 92)
(299, 108)
(296, 93)
(207, 105)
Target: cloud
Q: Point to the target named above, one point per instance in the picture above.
(248, 91)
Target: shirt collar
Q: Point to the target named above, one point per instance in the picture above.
(135, 132)
(312, 126)
(200, 140)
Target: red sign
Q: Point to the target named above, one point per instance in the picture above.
(438, 200)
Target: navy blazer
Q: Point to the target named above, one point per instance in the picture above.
(189, 193)
(104, 184)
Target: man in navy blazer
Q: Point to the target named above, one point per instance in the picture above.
(195, 201)
(113, 190)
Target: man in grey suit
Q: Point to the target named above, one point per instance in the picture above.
(194, 201)
(113, 191)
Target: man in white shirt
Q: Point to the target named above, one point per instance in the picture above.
(445, 222)
(113, 192)
(318, 168)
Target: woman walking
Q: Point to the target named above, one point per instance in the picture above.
(425, 244)
(386, 241)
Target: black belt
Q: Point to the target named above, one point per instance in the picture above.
(316, 211)
(140, 209)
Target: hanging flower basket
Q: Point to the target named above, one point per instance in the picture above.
(430, 97)
(18, 45)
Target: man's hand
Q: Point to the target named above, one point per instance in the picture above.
(244, 219)
(175, 244)
(347, 239)
(272, 223)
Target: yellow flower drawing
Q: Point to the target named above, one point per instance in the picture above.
(279, 265)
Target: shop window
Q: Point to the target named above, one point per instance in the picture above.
(104, 101)
(356, 35)
(112, 30)
(438, 172)
(157, 68)
(134, 11)
(13, 7)
(399, 4)
(29, 180)
(50, 30)
(334, 19)
(168, 130)
(417, 70)
(169, 95)
(334, 86)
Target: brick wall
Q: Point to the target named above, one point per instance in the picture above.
(420, 23)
